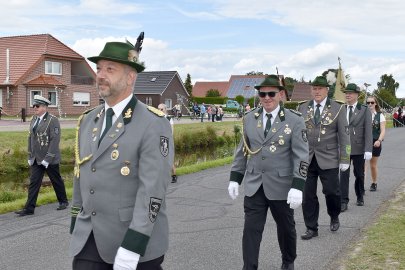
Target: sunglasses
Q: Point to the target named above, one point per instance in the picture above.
(36, 106)
(370, 102)
(270, 94)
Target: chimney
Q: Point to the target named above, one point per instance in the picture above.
(7, 67)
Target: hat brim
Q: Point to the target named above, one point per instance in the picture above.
(279, 87)
(351, 91)
(323, 85)
(38, 102)
(139, 68)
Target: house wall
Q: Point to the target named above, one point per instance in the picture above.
(176, 86)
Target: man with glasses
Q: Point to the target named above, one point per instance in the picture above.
(43, 156)
(361, 140)
(329, 151)
(272, 160)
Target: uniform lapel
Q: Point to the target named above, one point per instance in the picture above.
(311, 112)
(259, 123)
(356, 112)
(96, 129)
(277, 124)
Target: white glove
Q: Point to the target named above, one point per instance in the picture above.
(30, 162)
(126, 259)
(294, 198)
(44, 163)
(233, 189)
(368, 155)
(344, 167)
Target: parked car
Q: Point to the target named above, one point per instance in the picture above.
(231, 104)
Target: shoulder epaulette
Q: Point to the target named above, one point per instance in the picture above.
(296, 112)
(156, 111)
(301, 102)
(339, 101)
(89, 110)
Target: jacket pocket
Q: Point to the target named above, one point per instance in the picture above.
(126, 213)
(331, 146)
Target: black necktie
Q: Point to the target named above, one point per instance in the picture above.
(108, 122)
(34, 129)
(350, 112)
(268, 124)
(317, 114)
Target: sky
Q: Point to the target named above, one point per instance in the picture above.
(214, 39)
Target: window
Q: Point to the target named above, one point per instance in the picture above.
(149, 101)
(52, 96)
(168, 103)
(53, 68)
(81, 99)
(33, 93)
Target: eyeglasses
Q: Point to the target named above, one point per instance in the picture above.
(270, 94)
(370, 102)
(35, 106)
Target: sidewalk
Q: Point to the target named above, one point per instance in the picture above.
(206, 225)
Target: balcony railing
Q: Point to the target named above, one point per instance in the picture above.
(86, 80)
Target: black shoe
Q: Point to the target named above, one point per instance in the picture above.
(334, 224)
(174, 178)
(287, 266)
(343, 207)
(62, 206)
(309, 234)
(373, 187)
(360, 203)
(24, 212)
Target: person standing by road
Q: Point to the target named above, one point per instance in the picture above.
(359, 121)
(124, 154)
(272, 160)
(329, 151)
(378, 129)
(43, 155)
(203, 110)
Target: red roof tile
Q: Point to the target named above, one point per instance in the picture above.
(301, 92)
(45, 80)
(200, 89)
(25, 51)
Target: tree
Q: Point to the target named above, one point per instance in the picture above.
(388, 82)
(289, 83)
(254, 73)
(240, 99)
(386, 97)
(188, 85)
(213, 93)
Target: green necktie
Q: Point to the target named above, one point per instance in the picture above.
(317, 114)
(108, 123)
(268, 124)
(350, 112)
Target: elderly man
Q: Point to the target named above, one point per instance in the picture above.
(329, 151)
(361, 140)
(124, 153)
(272, 160)
(43, 155)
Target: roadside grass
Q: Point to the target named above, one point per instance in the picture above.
(47, 194)
(382, 245)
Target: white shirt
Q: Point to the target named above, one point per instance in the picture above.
(323, 102)
(273, 113)
(117, 108)
(348, 110)
(382, 117)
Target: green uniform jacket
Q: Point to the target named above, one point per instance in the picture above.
(120, 192)
(281, 161)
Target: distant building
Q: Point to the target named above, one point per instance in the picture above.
(200, 89)
(301, 92)
(155, 87)
(41, 64)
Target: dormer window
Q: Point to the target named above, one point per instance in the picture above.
(53, 68)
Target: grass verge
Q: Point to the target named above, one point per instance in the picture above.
(47, 195)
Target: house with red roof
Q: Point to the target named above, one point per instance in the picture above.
(42, 65)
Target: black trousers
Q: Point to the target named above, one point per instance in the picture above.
(330, 188)
(256, 208)
(37, 174)
(89, 259)
(358, 170)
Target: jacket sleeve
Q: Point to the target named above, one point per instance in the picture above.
(344, 137)
(155, 162)
(300, 154)
(239, 164)
(53, 133)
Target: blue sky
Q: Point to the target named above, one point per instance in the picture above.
(214, 39)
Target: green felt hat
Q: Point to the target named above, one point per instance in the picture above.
(320, 81)
(352, 87)
(120, 52)
(271, 80)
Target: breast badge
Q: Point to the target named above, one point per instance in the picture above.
(273, 148)
(115, 153)
(287, 130)
(281, 140)
(125, 170)
(259, 124)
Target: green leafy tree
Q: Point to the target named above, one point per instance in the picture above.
(213, 93)
(188, 85)
(289, 83)
(387, 97)
(240, 99)
(388, 82)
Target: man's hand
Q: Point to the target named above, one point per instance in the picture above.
(344, 167)
(294, 198)
(126, 259)
(30, 162)
(233, 189)
(44, 163)
(368, 155)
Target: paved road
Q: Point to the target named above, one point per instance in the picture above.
(206, 226)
